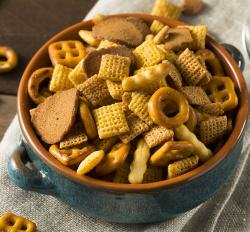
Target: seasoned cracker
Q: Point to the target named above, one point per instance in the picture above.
(110, 120)
(60, 79)
(139, 105)
(195, 95)
(140, 24)
(190, 68)
(96, 91)
(213, 129)
(114, 68)
(77, 76)
(148, 54)
(115, 89)
(136, 127)
(158, 135)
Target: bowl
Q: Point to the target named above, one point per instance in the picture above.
(31, 167)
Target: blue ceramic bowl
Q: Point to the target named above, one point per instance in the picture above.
(32, 168)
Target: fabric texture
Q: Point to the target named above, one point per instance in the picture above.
(227, 210)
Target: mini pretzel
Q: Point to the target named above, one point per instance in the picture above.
(114, 159)
(13, 223)
(183, 133)
(139, 165)
(11, 62)
(171, 150)
(35, 80)
(221, 89)
(68, 53)
(192, 120)
(90, 162)
(88, 121)
(156, 112)
(212, 60)
(71, 156)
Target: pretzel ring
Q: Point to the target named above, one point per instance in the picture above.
(35, 80)
(170, 151)
(11, 62)
(156, 112)
(192, 119)
(114, 159)
(88, 121)
(212, 60)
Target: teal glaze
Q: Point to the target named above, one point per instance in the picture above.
(118, 206)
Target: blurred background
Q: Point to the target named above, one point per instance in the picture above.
(24, 26)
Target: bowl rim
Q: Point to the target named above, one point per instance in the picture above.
(36, 146)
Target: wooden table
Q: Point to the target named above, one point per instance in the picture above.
(25, 25)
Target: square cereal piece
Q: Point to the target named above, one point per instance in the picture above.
(10, 222)
(110, 120)
(95, 90)
(76, 136)
(68, 53)
(78, 76)
(115, 89)
(60, 79)
(136, 127)
(190, 68)
(166, 9)
(199, 33)
(139, 105)
(195, 95)
(114, 67)
(148, 54)
(158, 135)
(156, 26)
(213, 129)
(215, 108)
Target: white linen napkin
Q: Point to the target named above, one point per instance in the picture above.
(228, 210)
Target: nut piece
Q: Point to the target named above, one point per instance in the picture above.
(191, 7)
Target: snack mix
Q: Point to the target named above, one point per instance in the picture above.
(133, 103)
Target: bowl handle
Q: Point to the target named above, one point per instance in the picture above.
(23, 172)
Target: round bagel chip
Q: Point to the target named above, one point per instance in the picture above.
(53, 118)
(92, 62)
(118, 30)
(140, 24)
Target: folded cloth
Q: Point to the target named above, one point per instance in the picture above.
(227, 210)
